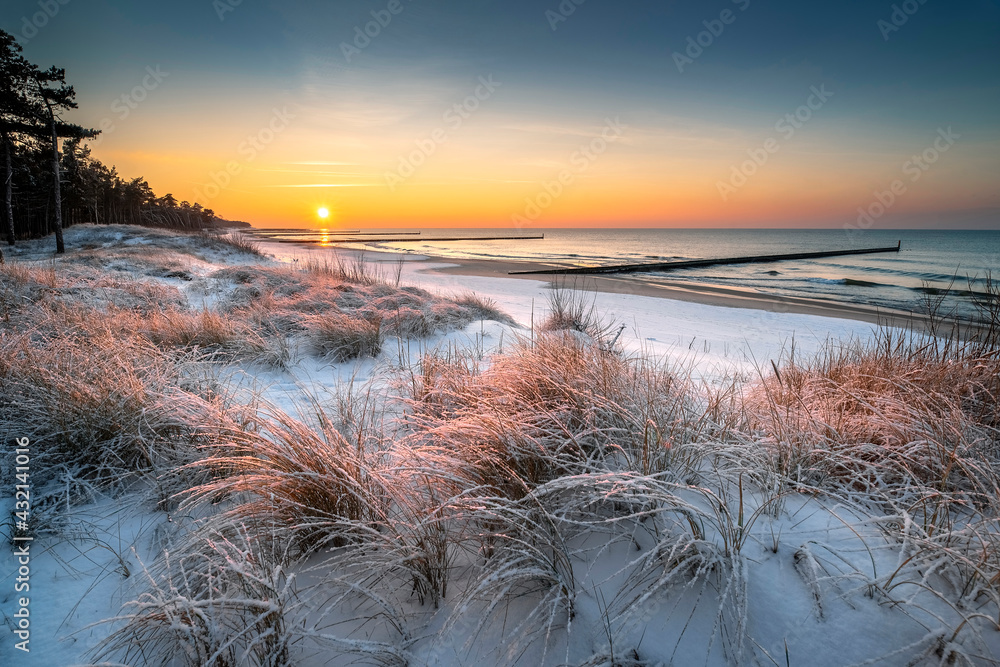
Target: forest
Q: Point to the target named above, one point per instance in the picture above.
(51, 180)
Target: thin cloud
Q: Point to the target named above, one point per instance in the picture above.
(316, 173)
(327, 185)
(325, 164)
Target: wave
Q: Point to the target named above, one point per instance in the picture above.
(897, 270)
(864, 283)
(969, 294)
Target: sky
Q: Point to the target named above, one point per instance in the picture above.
(546, 113)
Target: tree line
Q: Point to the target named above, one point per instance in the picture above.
(51, 180)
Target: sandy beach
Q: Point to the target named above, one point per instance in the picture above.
(706, 294)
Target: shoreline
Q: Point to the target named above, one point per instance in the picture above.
(709, 295)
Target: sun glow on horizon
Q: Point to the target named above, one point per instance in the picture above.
(665, 171)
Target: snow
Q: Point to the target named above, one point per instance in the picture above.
(803, 583)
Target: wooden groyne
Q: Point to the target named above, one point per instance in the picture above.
(403, 239)
(384, 234)
(668, 266)
(294, 230)
(450, 238)
(339, 232)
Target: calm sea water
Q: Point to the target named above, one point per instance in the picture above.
(932, 263)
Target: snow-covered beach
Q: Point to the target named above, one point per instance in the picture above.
(326, 459)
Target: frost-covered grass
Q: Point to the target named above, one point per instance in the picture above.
(571, 308)
(236, 240)
(106, 353)
(558, 501)
(512, 511)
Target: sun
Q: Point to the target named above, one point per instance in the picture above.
(323, 212)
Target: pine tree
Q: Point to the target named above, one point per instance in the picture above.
(57, 95)
(16, 117)
(39, 169)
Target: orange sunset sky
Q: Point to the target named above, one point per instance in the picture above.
(266, 112)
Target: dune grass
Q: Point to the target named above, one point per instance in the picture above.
(572, 309)
(97, 350)
(485, 493)
(344, 309)
(545, 505)
(237, 241)
(224, 601)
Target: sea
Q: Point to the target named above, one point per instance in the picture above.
(946, 270)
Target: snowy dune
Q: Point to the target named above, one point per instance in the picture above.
(715, 339)
(304, 461)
